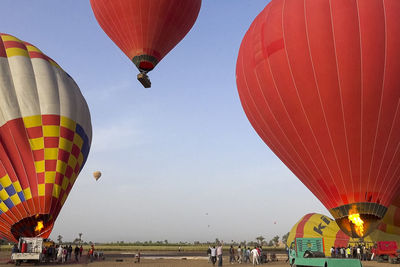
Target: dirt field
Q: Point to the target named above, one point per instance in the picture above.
(199, 262)
(114, 258)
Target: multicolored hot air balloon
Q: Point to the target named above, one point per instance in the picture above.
(146, 30)
(45, 136)
(318, 225)
(319, 81)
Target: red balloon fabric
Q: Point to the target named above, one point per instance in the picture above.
(319, 81)
(146, 30)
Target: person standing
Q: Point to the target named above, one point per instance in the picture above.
(213, 255)
(69, 251)
(209, 254)
(80, 251)
(359, 253)
(76, 253)
(239, 251)
(219, 254)
(255, 256)
(231, 255)
(59, 253)
(138, 257)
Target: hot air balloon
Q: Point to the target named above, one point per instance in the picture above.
(97, 175)
(45, 136)
(319, 81)
(319, 225)
(146, 30)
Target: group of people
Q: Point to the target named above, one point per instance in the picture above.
(360, 252)
(238, 255)
(63, 253)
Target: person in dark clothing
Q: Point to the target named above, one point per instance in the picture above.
(69, 251)
(76, 252)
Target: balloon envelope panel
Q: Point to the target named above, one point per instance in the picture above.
(319, 82)
(45, 136)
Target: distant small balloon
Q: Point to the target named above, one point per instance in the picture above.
(97, 175)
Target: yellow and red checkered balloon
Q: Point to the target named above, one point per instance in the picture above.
(45, 136)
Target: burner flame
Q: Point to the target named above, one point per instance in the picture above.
(39, 226)
(358, 223)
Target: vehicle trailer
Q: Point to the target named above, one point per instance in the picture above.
(30, 250)
(310, 252)
(387, 251)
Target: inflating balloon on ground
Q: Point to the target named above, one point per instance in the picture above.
(319, 82)
(45, 136)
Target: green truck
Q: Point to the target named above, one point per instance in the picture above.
(310, 252)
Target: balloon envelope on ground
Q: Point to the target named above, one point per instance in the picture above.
(45, 136)
(319, 82)
(318, 225)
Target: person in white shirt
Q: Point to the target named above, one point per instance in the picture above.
(213, 255)
(239, 251)
(255, 254)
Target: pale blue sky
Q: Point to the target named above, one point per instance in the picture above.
(169, 154)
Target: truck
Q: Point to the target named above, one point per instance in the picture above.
(386, 251)
(30, 249)
(310, 252)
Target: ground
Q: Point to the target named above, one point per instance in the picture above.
(114, 259)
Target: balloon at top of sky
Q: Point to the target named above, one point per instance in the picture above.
(146, 30)
(319, 82)
(45, 136)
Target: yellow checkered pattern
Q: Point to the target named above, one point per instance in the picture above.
(64, 144)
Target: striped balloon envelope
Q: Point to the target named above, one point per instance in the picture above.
(45, 136)
(319, 82)
(146, 30)
(318, 225)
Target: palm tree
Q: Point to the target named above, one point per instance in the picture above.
(80, 238)
(59, 239)
(260, 239)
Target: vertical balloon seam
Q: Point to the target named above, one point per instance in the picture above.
(384, 86)
(252, 99)
(341, 96)
(21, 119)
(302, 105)
(276, 121)
(293, 127)
(320, 100)
(379, 192)
(8, 201)
(387, 43)
(26, 137)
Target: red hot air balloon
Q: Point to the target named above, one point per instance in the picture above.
(146, 30)
(45, 136)
(319, 82)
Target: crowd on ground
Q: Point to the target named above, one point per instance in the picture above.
(63, 254)
(240, 255)
(358, 251)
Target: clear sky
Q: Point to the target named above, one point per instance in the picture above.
(180, 161)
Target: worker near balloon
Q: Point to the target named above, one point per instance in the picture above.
(319, 82)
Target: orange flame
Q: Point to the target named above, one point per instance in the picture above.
(39, 226)
(359, 224)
